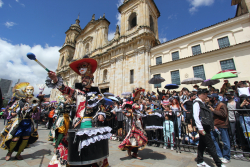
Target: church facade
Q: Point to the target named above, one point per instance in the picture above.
(123, 62)
(135, 54)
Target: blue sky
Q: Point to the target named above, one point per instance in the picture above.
(40, 25)
(45, 22)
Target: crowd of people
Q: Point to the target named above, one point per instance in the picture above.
(84, 119)
(168, 117)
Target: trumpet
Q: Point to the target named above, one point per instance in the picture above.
(33, 102)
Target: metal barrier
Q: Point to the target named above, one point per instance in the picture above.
(239, 138)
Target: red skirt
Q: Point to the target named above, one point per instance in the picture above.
(135, 138)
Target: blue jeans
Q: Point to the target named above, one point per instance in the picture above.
(179, 125)
(247, 128)
(225, 139)
(189, 139)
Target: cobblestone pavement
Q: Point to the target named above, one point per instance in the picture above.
(40, 153)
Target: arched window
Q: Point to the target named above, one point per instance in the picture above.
(152, 24)
(87, 48)
(132, 21)
(62, 60)
(105, 73)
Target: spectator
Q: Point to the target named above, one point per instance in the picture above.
(188, 107)
(161, 94)
(165, 100)
(192, 136)
(175, 107)
(168, 130)
(232, 105)
(196, 87)
(194, 91)
(185, 95)
(243, 88)
(201, 111)
(225, 86)
(221, 123)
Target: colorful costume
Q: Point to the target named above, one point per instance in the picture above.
(136, 137)
(88, 100)
(22, 131)
(61, 124)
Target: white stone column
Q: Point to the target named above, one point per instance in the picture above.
(112, 76)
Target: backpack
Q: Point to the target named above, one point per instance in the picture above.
(206, 116)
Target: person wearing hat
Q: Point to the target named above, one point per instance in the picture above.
(196, 87)
(194, 91)
(136, 138)
(88, 98)
(84, 67)
(221, 124)
(204, 122)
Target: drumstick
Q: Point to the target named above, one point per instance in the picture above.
(31, 56)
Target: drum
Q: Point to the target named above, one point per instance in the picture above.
(88, 146)
(153, 122)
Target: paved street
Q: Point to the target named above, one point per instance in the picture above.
(40, 153)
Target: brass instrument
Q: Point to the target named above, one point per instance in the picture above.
(31, 105)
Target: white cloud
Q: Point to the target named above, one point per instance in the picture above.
(9, 24)
(120, 2)
(15, 65)
(111, 35)
(162, 40)
(1, 3)
(20, 3)
(118, 17)
(10, 6)
(197, 3)
(172, 16)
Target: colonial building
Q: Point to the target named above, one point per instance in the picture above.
(135, 54)
(203, 53)
(123, 62)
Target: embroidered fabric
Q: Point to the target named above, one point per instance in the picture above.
(93, 139)
(94, 131)
(49, 83)
(157, 114)
(154, 127)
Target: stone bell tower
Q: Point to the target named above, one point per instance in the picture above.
(139, 13)
(67, 51)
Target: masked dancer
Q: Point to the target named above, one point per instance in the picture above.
(86, 139)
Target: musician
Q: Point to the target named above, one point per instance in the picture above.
(87, 97)
(23, 131)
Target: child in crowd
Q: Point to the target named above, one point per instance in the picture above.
(168, 130)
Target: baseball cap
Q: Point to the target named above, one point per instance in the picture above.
(194, 90)
(202, 91)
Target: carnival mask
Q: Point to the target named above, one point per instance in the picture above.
(29, 90)
(83, 70)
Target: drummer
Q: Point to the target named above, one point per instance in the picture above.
(84, 93)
